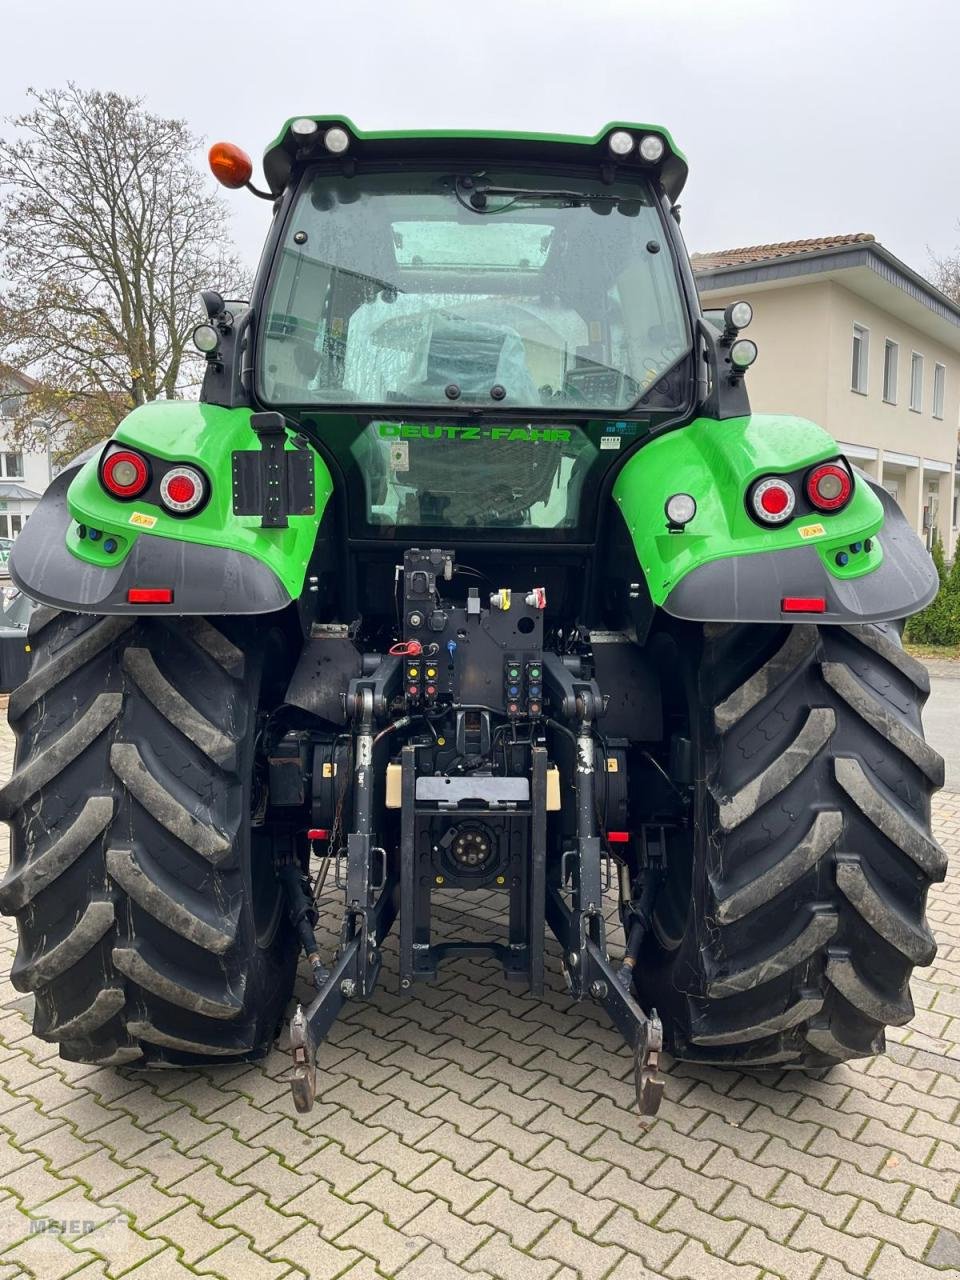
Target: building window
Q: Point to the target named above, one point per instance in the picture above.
(11, 466)
(939, 381)
(9, 405)
(861, 352)
(10, 526)
(916, 382)
(891, 358)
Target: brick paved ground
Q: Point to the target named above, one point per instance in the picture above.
(473, 1133)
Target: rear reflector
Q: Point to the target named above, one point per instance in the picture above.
(803, 604)
(618, 837)
(150, 595)
(318, 833)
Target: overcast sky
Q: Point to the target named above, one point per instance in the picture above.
(798, 117)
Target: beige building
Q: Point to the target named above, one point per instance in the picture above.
(850, 337)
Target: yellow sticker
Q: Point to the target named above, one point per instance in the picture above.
(613, 764)
(142, 520)
(811, 531)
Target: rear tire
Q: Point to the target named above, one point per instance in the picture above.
(149, 918)
(793, 915)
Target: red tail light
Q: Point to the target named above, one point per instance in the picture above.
(803, 604)
(183, 490)
(772, 500)
(124, 474)
(829, 486)
(150, 595)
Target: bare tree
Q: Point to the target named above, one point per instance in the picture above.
(946, 275)
(107, 233)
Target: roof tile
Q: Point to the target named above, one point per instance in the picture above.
(763, 252)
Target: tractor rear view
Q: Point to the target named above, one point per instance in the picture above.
(471, 569)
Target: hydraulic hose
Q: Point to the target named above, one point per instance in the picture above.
(301, 912)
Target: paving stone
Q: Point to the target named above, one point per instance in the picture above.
(577, 1134)
(945, 1250)
(742, 1205)
(209, 1190)
(405, 1161)
(584, 1212)
(432, 1264)
(376, 1237)
(144, 1201)
(46, 1256)
(853, 1251)
(162, 1161)
(755, 1247)
(444, 1180)
(581, 1172)
(165, 1265)
(778, 1154)
(502, 1170)
(671, 1175)
(523, 1143)
(464, 1116)
(588, 1259)
(274, 1179)
(463, 1152)
(334, 1166)
(312, 1255)
(719, 1234)
(646, 1202)
(190, 1232)
(237, 1261)
(33, 1182)
(891, 1264)
(499, 1258)
(329, 1212)
(455, 1236)
(228, 1153)
(651, 1244)
(693, 1262)
(887, 1196)
(397, 1203)
(522, 1224)
(255, 1217)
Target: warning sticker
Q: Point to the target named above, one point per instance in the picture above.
(609, 442)
(811, 531)
(400, 455)
(142, 520)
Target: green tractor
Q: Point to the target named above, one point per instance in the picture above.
(471, 570)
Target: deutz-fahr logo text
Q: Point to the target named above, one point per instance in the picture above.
(431, 431)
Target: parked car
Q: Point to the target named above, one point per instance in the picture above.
(15, 611)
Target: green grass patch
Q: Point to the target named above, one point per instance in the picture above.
(925, 651)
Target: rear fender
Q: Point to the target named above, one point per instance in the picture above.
(725, 567)
(213, 563)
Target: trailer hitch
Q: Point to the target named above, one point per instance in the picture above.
(302, 1074)
(649, 1082)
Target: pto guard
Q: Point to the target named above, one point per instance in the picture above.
(214, 563)
(725, 567)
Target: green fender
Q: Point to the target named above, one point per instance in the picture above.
(215, 561)
(724, 566)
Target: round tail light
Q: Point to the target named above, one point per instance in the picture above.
(182, 490)
(773, 500)
(124, 474)
(829, 486)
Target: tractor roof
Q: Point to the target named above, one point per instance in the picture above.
(460, 144)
